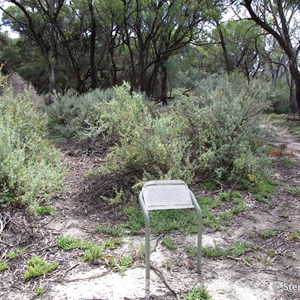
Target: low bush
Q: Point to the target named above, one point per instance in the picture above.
(222, 121)
(75, 115)
(29, 165)
(211, 133)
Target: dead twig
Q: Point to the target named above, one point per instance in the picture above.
(238, 259)
(72, 267)
(162, 277)
(84, 278)
(6, 244)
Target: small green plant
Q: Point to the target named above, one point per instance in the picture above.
(263, 189)
(169, 243)
(285, 215)
(295, 191)
(228, 196)
(286, 162)
(116, 230)
(186, 221)
(40, 291)
(70, 242)
(111, 244)
(38, 267)
(93, 253)
(192, 250)
(15, 254)
(240, 247)
(42, 210)
(167, 265)
(3, 266)
(271, 252)
(117, 199)
(121, 264)
(266, 234)
(197, 294)
(209, 186)
(213, 252)
(294, 236)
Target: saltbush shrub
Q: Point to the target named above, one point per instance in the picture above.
(72, 114)
(212, 132)
(29, 165)
(222, 120)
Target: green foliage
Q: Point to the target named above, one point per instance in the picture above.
(38, 267)
(212, 133)
(210, 186)
(223, 116)
(70, 242)
(216, 214)
(116, 230)
(3, 266)
(40, 291)
(149, 147)
(266, 234)
(72, 114)
(263, 189)
(294, 236)
(279, 96)
(295, 191)
(30, 166)
(15, 254)
(198, 294)
(111, 244)
(43, 210)
(213, 251)
(236, 249)
(93, 253)
(122, 263)
(169, 243)
(240, 247)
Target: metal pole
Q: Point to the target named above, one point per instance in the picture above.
(199, 215)
(147, 235)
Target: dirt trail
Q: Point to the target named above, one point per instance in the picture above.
(266, 273)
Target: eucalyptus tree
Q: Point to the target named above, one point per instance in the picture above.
(155, 30)
(238, 44)
(280, 18)
(35, 20)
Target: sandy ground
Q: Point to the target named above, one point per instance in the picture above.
(256, 276)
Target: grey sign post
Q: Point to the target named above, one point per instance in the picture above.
(167, 194)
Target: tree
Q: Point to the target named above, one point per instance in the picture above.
(36, 20)
(155, 30)
(241, 43)
(278, 18)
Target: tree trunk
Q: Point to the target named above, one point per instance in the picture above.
(164, 80)
(224, 48)
(295, 73)
(93, 46)
(292, 90)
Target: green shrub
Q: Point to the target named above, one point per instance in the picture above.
(198, 294)
(69, 242)
(38, 267)
(76, 115)
(221, 121)
(212, 133)
(29, 165)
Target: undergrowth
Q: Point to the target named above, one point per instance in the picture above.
(29, 165)
(217, 214)
(212, 133)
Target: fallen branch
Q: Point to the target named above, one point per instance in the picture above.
(79, 279)
(162, 277)
(239, 259)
